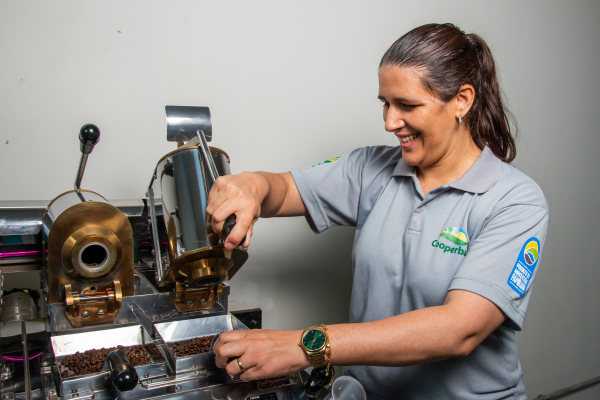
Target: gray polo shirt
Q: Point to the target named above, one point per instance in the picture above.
(482, 233)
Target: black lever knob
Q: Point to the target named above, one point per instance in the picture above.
(319, 379)
(228, 226)
(123, 375)
(89, 136)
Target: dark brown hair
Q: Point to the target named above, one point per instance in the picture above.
(449, 59)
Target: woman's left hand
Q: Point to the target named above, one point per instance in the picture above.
(262, 353)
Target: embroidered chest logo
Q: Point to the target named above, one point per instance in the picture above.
(455, 235)
(523, 270)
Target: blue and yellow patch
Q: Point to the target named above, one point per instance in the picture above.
(525, 266)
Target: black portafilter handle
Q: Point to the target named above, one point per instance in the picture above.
(228, 227)
(319, 379)
(122, 374)
(89, 136)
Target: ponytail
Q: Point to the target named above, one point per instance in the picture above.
(450, 59)
(488, 118)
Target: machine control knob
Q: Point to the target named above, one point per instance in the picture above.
(123, 375)
(89, 136)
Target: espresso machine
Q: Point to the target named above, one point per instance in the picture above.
(123, 299)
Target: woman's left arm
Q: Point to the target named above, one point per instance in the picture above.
(430, 334)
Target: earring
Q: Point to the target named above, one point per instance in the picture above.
(460, 120)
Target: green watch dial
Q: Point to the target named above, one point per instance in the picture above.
(313, 340)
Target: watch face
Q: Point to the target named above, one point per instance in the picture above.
(314, 340)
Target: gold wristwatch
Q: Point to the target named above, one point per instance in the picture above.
(315, 342)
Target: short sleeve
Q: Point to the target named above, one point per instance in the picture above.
(502, 261)
(331, 191)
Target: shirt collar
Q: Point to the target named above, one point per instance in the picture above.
(482, 175)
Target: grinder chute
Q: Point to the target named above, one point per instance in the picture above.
(195, 260)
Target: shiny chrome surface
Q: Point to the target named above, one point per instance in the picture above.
(210, 163)
(65, 345)
(183, 123)
(62, 203)
(22, 218)
(181, 331)
(175, 331)
(25, 217)
(79, 177)
(185, 184)
(129, 207)
(18, 306)
(221, 160)
(159, 268)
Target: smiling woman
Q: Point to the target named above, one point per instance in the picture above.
(428, 128)
(446, 61)
(440, 220)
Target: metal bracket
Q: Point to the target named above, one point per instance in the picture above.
(186, 299)
(157, 339)
(93, 308)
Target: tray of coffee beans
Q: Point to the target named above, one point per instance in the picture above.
(195, 346)
(92, 361)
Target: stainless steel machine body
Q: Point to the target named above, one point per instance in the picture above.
(144, 272)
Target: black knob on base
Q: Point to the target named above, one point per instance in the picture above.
(89, 136)
(123, 375)
(319, 379)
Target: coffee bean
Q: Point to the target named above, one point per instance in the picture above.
(92, 361)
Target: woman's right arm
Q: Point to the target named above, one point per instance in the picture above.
(251, 195)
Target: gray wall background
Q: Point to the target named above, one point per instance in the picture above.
(290, 84)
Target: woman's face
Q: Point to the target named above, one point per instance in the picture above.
(425, 125)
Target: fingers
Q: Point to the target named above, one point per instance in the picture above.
(242, 228)
(246, 243)
(262, 353)
(232, 336)
(234, 195)
(240, 366)
(224, 349)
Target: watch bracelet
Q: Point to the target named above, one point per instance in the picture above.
(327, 346)
(317, 362)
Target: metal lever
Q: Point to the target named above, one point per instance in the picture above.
(212, 168)
(214, 174)
(89, 136)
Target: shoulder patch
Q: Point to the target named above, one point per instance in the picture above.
(523, 270)
(327, 161)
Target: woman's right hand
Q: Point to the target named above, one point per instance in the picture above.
(241, 195)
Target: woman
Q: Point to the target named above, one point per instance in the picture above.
(447, 242)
